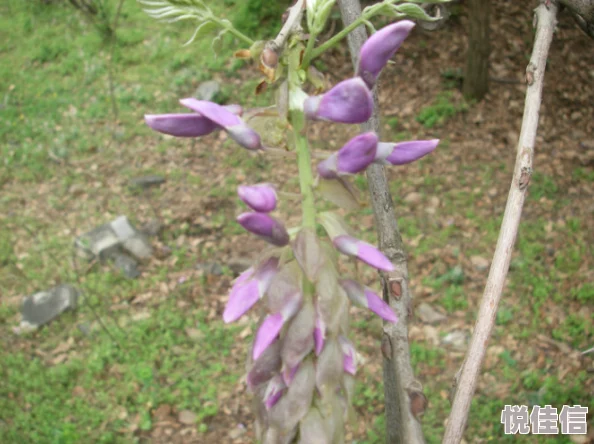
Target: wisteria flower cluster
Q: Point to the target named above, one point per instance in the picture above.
(302, 363)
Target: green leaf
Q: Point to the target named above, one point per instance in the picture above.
(202, 30)
(414, 11)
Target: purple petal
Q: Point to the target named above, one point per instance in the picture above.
(380, 48)
(363, 251)
(181, 125)
(260, 197)
(377, 305)
(407, 152)
(267, 333)
(319, 335)
(348, 363)
(355, 292)
(349, 101)
(267, 365)
(357, 154)
(241, 299)
(288, 374)
(235, 127)
(266, 227)
(274, 391)
(327, 168)
(215, 112)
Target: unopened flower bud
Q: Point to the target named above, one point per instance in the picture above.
(404, 152)
(266, 227)
(363, 251)
(366, 297)
(249, 287)
(380, 48)
(237, 129)
(187, 124)
(349, 101)
(352, 158)
(272, 325)
(260, 197)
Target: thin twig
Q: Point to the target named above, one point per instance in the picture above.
(110, 74)
(400, 386)
(545, 18)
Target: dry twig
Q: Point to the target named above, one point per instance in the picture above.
(545, 18)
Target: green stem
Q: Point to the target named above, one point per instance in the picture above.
(305, 172)
(307, 56)
(232, 30)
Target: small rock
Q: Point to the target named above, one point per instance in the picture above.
(208, 90)
(431, 335)
(457, 339)
(428, 314)
(576, 115)
(433, 202)
(480, 263)
(413, 198)
(127, 265)
(187, 417)
(132, 241)
(147, 181)
(41, 308)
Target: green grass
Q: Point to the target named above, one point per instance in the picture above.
(443, 108)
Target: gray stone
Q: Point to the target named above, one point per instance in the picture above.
(44, 306)
(127, 265)
(101, 242)
(208, 90)
(147, 181)
(428, 314)
(132, 240)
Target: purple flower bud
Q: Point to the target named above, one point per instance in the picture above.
(185, 125)
(365, 297)
(266, 227)
(352, 158)
(267, 365)
(349, 101)
(380, 48)
(274, 391)
(298, 341)
(289, 374)
(363, 251)
(349, 363)
(273, 324)
(237, 129)
(248, 288)
(260, 197)
(404, 152)
(319, 335)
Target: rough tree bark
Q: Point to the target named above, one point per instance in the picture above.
(545, 17)
(404, 398)
(476, 76)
